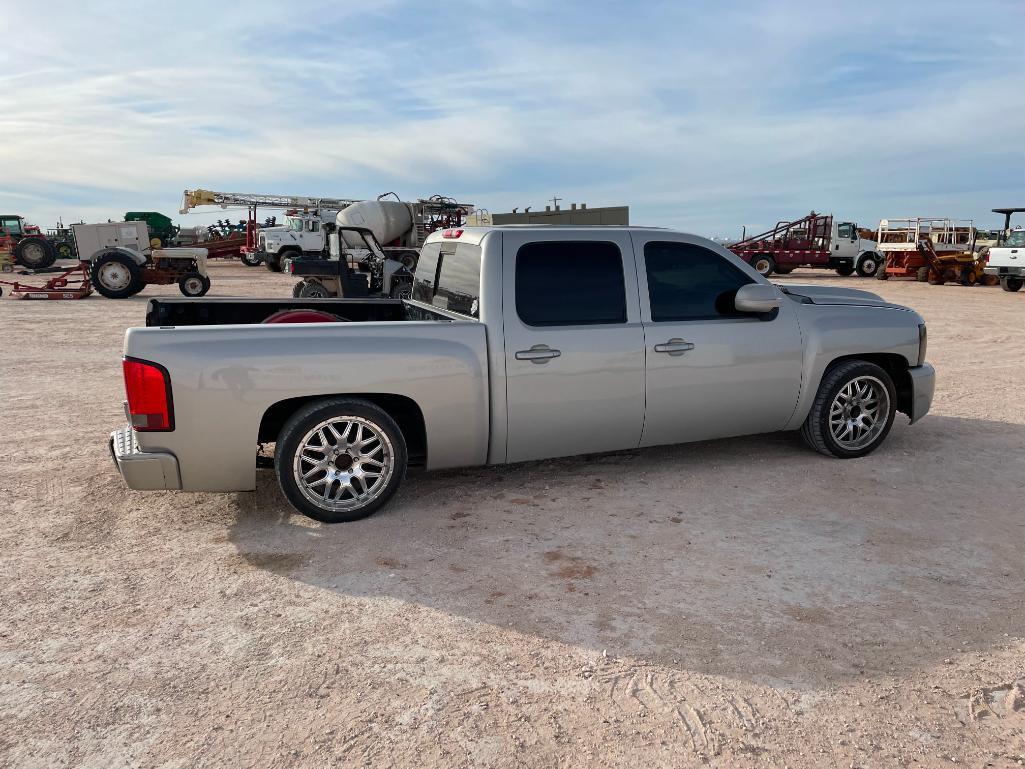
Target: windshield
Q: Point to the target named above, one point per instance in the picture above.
(1016, 238)
(294, 224)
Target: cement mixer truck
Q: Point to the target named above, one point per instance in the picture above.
(398, 226)
(356, 264)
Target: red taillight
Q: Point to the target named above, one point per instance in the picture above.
(985, 257)
(452, 234)
(149, 396)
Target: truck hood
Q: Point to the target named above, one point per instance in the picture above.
(836, 295)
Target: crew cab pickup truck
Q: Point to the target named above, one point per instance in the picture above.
(519, 343)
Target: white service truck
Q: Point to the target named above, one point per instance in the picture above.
(1006, 259)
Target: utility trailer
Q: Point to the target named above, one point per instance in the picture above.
(936, 250)
(815, 240)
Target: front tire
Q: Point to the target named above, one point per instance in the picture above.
(193, 284)
(116, 276)
(340, 460)
(272, 262)
(251, 259)
(868, 265)
(853, 410)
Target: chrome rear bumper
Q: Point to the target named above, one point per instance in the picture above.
(143, 470)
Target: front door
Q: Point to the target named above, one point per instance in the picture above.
(574, 344)
(711, 372)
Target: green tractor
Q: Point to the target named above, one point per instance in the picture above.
(31, 248)
(160, 226)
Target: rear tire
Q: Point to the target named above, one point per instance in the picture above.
(35, 253)
(881, 273)
(868, 265)
(116, 276)
(764, 265)
(853, 396)
(1011, 284)
(332, 452)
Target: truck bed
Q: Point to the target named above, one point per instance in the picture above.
(234, 311)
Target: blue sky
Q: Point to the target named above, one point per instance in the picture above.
(704, 116)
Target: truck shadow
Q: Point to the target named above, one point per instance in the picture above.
(750, 558)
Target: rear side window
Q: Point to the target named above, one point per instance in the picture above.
(570, 283)
(688, 282)
(448, 275)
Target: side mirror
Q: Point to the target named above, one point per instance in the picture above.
(757, 298)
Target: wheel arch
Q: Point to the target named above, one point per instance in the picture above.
(404, 410)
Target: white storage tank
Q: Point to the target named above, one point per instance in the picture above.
(388, 219)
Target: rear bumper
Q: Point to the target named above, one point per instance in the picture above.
(923, 384)
(1015, 271)
(143, 470)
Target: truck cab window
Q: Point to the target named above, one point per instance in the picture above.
(448, 275)
(688, 282)
(845, 230)
(570, 283)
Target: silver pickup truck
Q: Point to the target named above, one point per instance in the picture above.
(520, 343)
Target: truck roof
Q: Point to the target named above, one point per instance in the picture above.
(476, 233)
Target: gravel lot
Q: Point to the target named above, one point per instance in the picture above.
(736, 603)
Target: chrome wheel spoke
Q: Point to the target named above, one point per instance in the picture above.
(343, 463)
(858, 414)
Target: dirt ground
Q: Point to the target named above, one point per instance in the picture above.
(731, 604)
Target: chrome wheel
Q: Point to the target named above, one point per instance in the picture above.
(343, 463)
(114, 276)
(859, 413)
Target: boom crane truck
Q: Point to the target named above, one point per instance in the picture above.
(815, 240)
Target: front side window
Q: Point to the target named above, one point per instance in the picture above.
(689, 282)
(295, 224)
(570, 283)
(845, 230)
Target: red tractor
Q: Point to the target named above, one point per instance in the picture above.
(31, 248)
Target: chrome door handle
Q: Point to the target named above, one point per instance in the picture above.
(539, 353)
(674, 347)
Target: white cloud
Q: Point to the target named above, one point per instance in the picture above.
(705, 119)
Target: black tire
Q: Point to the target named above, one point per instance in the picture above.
(868, 265)
(1011, 284)
(273, 261)
(311, 289)
(922, 276)
(969, 276)
(845, 270)
(409, 260)
(303, 422)
(116, 275)
(251, 259)
(783, 270)
(193, 284)
(935, 280)
(35, 253)
(816, 428)
(764, 264)
(403, 290)
(65, 251)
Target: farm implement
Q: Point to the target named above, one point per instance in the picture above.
(65, 283)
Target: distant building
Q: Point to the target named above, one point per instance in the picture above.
(573, 215)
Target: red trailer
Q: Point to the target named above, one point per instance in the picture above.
(815, 240)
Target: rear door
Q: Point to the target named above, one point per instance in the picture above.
(574, 344)
(711, 372)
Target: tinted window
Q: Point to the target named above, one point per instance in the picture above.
(569, 283)
(687, 282)
(448, 275)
